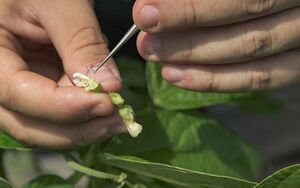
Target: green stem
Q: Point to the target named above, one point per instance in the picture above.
(89, 157)
(87, 161)
(91, 172)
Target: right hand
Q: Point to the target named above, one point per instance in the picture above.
(222, 46)
(42, 44)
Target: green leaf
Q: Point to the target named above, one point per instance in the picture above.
(286, 178)
(133, 72)
(175, 175)
(4, 183)
(49, 181)
(7, 142)
(188, 140)
(134, 89)
(170, 97)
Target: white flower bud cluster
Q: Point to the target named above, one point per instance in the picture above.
(125, 111)
(89, 84)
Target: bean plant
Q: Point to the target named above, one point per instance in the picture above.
(179, 145)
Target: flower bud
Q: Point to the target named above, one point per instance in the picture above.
(116, 98)
(126, 112)
(89, 84)
(93, 86)
(133, 128)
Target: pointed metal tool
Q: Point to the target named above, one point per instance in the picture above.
(130, 33)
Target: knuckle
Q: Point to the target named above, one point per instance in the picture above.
(258, 6)
(190, 13)
(64, 106)
(83, 138)
(260, 77)
(86, 37)
(256, 43)
(70, 111)
(189, 47)
(106, 107)
(208, 80)
(212, 84)
(80, 139)
(80, 110)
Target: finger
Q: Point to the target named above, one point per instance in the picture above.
(64, 81)
(225, 44)
(157, 15)
(52, 135)
(18, 18)
(75, 32)
(268, 73)
(24, 91)
(32, 94)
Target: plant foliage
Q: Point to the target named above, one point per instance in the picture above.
(179, 146)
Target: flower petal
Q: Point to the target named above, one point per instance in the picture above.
(134, 128)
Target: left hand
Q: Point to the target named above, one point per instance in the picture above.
(230, 45)
(42, 44)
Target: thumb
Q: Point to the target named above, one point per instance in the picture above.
(74, 30)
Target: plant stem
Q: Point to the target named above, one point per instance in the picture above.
(91, 172)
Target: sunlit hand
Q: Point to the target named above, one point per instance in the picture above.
(42, 43)
(228, 45)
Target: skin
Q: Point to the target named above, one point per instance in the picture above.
(40, 106)
(229, 45)
(223, 46)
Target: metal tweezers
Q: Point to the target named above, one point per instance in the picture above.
(130, 33)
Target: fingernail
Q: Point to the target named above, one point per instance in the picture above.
(118, 129)
(116, 73)
(119, 126)
(104, 73)
(149, 16)
(152, 46)
(174, 74)
(96, 111)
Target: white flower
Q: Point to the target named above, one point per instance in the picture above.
(133, 128)
(78, 79)
(89, 84)
(125, 111)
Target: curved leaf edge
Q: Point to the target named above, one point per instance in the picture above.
(108, 156)
(269, 178)
(7, 184)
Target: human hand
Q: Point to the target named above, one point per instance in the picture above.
(230, 45)
(42, 43)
